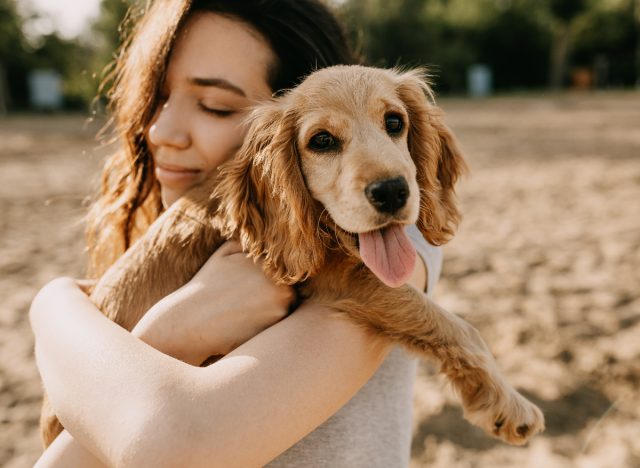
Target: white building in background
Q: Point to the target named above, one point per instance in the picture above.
(479, 80)
(45, 89)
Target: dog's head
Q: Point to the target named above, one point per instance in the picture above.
(351, 153)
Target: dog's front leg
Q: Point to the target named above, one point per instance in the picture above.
(405, 316)
(169, 254)
(165, 259)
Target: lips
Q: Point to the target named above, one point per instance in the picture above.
(177, 176)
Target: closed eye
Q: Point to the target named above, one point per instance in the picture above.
(215, 111)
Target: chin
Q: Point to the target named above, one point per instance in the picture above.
(168, 197)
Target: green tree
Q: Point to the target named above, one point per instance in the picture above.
(563, 15)
(109, 28)
(80, 61)
(527, 43)
(86, 62)
(412, 33)
(112, 26)
(606, 41)
(514, 42)
(13, 56)
(69, 57)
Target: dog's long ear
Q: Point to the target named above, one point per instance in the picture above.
(264, 199)
(437, 157)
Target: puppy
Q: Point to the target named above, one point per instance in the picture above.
(328, 176)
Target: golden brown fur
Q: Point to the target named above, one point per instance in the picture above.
(298, 209)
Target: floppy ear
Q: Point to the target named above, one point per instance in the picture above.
(439, 162)
(264, 201)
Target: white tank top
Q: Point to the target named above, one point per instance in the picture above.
(373, 429)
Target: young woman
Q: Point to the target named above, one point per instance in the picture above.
(284, 393)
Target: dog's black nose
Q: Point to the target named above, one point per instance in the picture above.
(388, 195)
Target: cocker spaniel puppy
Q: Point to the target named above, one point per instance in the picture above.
(328, 177)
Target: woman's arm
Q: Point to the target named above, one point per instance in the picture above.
(131, 405)
(66, 445)
(265, 396)
(269, 393)
(66, 452)
(226, 303)
(100, 379)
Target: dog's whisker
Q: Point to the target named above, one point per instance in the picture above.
(318, 229)
(343, 249)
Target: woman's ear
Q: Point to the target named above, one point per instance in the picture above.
(438, 159)
(264, 201)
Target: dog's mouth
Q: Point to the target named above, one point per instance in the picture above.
(387, 252)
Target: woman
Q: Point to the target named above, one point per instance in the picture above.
(185, 82)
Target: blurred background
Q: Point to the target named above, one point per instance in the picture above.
(544, 96)
(471, 46)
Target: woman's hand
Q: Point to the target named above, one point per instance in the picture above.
(225, 304)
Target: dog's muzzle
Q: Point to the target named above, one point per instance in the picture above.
(388, 195)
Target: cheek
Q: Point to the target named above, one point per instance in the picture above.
(321, 174)
(218, 141)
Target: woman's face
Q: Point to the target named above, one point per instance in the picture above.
(218, 68)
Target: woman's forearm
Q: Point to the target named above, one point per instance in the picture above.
(166, 331)
(131, 405)
(263, 397)
(87, 363)
(66, 452)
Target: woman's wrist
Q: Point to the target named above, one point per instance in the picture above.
(151, 330)
(154, 330)
(66, 451)
(163, 328)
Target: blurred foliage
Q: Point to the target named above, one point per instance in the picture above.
(13, 53)
(515, 44)
(566, 10)
(69, 57)
(527, 44)
(110, 26)
(83, 62)
(610, 36)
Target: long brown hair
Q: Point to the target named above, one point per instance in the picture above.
(304, 35)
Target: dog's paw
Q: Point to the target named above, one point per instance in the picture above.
(508, 416)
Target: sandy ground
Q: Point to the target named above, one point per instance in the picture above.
(545, 264)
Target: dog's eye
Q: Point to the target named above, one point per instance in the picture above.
(393, 124)
(322, 141)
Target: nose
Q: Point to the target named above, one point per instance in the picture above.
(388, 195)
(168, 129)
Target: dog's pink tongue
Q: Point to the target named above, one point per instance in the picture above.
(389, 254)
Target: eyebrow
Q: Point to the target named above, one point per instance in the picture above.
(218, 83)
